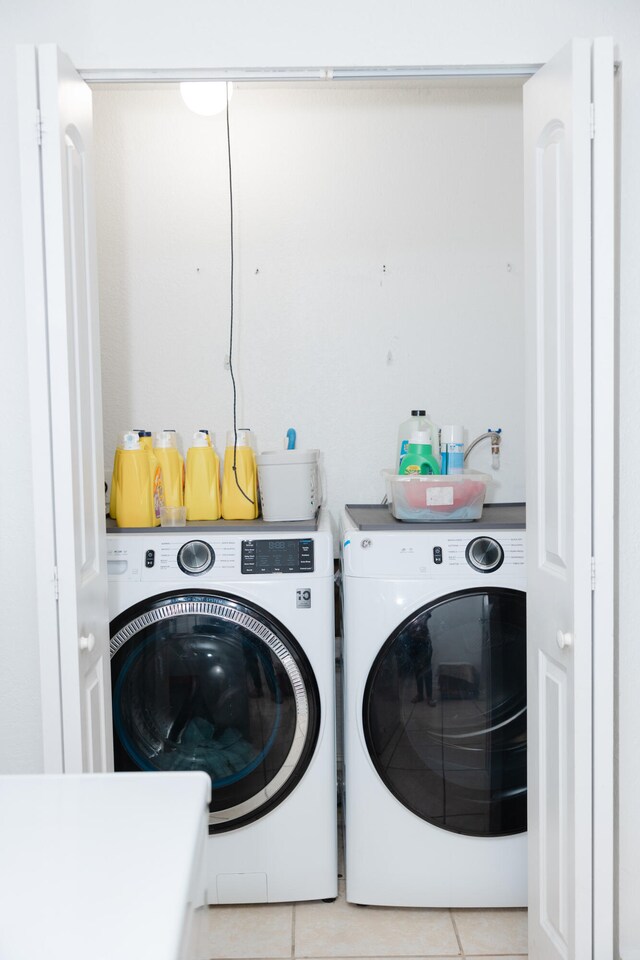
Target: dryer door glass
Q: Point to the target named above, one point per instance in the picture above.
(210, 682)
(444, 713)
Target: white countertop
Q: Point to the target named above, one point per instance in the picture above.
(101, 866)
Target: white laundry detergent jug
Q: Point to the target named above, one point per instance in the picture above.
(289, 482)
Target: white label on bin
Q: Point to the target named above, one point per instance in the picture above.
(439, 496)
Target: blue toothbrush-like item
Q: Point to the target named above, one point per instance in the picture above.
(291, 438)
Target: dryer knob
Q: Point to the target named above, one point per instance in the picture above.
(484, 554)
(196, 557)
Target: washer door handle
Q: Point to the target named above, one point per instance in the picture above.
(87, 643)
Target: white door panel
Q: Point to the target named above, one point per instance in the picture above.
(68, 404)
(558, 224)
(552, 791)
(39, 402)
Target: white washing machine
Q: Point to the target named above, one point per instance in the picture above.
(435, 709)
(222, 659)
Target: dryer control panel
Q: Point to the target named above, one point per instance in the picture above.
(434, 555)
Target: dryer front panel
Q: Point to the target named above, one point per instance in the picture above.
(208, 681)
(444, 712)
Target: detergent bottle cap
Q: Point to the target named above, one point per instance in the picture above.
(420, 437)
(245, 437)
(131, 441)
(452, 434)
(200, 439)
(166, 438)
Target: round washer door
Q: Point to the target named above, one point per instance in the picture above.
(208, 681)
(444, 713)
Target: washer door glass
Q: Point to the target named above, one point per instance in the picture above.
(444, 713)
(210, 682)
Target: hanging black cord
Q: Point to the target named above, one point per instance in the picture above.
(233, 379)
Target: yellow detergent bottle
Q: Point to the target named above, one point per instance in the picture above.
(202, 480)
(146, 442)
(172, 465)
(135, 485)
(240, 478)
(113, 493)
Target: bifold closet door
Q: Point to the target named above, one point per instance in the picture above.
(564, 257)
(66, 410)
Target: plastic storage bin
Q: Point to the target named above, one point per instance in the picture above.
(289, 484)
(435, 498)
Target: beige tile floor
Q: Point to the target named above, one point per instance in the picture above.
(340, 931)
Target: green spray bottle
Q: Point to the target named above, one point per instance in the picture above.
(419, 458)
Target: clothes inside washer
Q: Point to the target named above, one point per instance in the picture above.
(219, 705)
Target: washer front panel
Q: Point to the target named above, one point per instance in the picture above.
(208, 681)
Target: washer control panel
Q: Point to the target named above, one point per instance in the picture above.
(182, 558)
(277, 556)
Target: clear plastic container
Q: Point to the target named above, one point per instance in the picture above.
(173, 516)
(434, 498)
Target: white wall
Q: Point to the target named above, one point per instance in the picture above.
(378, 261)
(156, 33)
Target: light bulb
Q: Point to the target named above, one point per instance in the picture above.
(206, 97)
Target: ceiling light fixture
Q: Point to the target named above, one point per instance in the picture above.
(206, 97)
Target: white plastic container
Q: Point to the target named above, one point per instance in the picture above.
(434, 498)
(452, 448)
(289, 482)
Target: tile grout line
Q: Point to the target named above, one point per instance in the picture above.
(293, 931)
(455, 930)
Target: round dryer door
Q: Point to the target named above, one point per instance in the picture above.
(207, 681)
(444, 713)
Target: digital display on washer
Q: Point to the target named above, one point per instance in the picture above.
(277, 556)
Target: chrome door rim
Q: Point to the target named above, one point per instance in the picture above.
(262, 632)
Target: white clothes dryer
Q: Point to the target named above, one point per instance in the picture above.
(435, 709)
(222, 660)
